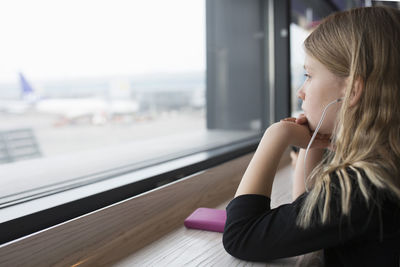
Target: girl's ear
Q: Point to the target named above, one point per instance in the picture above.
(356, 92)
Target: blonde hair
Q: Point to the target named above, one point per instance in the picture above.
(362, 45)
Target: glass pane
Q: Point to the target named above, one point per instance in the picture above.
(305, 16)
(88, 86)
(303, 20)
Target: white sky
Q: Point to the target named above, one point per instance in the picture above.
(57, 39)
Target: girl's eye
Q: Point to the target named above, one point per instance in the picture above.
(307, 76)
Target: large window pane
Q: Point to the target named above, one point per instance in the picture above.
(83, 80)
(93, 89)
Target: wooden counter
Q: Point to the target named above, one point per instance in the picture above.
(147, 230)
(190, 247)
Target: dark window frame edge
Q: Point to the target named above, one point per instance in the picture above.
(93, 178)
(19, 227)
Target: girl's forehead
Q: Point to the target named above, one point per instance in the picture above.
(310, 63)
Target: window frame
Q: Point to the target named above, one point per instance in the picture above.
(69, 204)
(84, 200)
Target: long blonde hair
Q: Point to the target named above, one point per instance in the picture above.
(363, 45)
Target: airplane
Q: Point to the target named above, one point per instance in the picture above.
(25, 103)
(95, 109)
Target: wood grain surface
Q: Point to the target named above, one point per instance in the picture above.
(147, 230)
(189, 247)
(108, 235)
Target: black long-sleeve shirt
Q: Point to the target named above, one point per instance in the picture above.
(369, 237)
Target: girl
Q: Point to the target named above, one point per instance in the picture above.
(348, 201)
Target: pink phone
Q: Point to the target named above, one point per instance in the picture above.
(207, 219)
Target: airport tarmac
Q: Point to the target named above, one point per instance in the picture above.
(72, 153)
(55, 137)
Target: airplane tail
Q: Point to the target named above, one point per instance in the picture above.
(26, 88)
(27, 91)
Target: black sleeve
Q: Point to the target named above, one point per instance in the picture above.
(255, 232)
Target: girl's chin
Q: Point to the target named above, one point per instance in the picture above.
(313, 125)
(312, 128)
(320, 131)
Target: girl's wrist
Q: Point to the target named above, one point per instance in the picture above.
(278, 132)
(296, 134)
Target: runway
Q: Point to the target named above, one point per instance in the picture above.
(82, 151)
(55, 139)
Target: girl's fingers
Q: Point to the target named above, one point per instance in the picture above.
(321, 136)
(301, 119)
(291, 119)
(321, 140)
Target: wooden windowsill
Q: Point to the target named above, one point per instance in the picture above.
(190, 247)
(145, 226)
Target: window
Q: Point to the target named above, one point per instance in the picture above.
(83, 80)
(102, 100)
(304, 17)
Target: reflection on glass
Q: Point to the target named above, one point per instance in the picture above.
(297, 37)
(303, 20)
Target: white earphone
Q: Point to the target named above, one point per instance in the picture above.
(313, 137)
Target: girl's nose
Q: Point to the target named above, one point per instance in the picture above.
(300, 93)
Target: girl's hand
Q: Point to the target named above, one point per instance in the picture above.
(300, 133)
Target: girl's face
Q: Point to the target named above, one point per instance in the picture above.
(319, 89)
